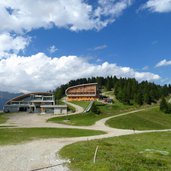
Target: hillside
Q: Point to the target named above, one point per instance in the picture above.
(151, 119)
(126, 90)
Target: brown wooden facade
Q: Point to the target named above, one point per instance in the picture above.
(83, 92)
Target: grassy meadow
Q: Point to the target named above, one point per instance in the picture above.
(18, 135)
(85, 119)
(138, 152)
(83, 104)
(150, 119)
(3, 118)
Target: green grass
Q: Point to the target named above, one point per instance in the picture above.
(83, 104)
(138, 152)
(90, 118)
(71, 108)
(17, 135)
(3, 118)
(78, 119)
(145, 120)
(109, 94)
(60, 102)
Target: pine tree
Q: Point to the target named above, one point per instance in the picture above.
(147, 98)
(59, 93)
(163, 105)
(139, 99)
(109, 85)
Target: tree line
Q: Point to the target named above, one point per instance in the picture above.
(127, 90)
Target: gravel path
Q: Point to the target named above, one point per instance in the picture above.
(39, 154)
(79, 109)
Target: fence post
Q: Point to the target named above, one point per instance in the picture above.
(95, 154)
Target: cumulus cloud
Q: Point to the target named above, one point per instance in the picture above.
(163, 62)
(20, 16)
(12, 44)
(40, 72)
(160, 6)
(52, 49)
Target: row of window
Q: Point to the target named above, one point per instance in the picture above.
(79, 93)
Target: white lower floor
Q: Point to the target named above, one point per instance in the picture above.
(55, 109)
(43, 109)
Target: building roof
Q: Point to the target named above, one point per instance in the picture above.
(27, 95)
(80, 85)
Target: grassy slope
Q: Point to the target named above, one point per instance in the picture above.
(3, 118)
(126, 153)
(17, 135)
(109, 94)
(144, 120)
(79, 119)
(83, 104)
(91, 118)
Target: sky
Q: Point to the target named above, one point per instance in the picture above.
(44, 44)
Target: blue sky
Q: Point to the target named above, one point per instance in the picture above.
(126, 38)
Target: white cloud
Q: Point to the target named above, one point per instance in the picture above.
(40, 72)
(101, 47)
(145, 67)
(160, 6)
(165, 81)
(19, 15)
(52, 49)
(163, 62)
(112, 7)
(12, 44)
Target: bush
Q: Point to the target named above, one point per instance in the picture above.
(95, 109)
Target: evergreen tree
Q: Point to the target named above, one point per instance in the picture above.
(147, 98)
(59, 92)
(109, 85)
(163, 105)
(114, 81)
(139, 99)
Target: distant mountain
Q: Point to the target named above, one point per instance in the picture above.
(5, 96)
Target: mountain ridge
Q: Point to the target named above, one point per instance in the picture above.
(5, 96)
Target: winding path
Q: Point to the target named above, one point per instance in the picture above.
(40, 154)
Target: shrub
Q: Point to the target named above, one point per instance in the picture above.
(95, 109)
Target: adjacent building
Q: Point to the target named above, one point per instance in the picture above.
(82, 92)
(37, 102)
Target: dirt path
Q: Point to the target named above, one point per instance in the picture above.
(42, 153)
(79, 109)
